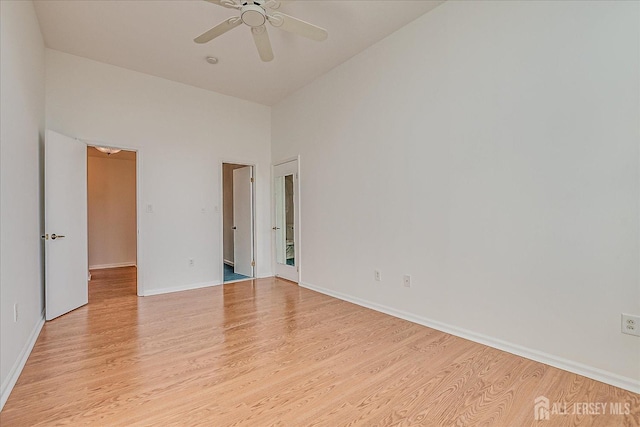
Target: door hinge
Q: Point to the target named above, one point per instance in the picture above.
(253, 263)
(251, 179)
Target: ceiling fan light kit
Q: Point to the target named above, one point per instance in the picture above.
(255, 14)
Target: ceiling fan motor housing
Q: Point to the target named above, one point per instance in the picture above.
(253, 15)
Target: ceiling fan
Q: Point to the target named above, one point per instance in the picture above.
(255, 14)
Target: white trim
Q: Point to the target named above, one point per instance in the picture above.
(298, 243)
(607, 377)
(139, 209)
(181, 288)
(230, 282)
(254, 213)
(297, 214)
(139, 204)
(226, 261)
(18, 366)
(114, 265)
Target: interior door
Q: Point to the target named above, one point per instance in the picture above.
(243, 221)
(66, 256)
(287, 220)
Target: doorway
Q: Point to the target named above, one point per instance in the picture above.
(238, 260)
(111, 222)
(286, 199)
(66, 233)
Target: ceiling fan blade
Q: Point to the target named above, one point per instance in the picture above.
(297, 26)
(275, 4)
(261, 38)
(218, 30)
(225, 3)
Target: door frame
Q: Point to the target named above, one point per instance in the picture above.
(138, 151)
(298, 204)
(254, 174)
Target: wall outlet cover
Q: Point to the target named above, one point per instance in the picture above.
(631, 324)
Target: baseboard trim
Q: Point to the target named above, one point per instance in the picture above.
(116, 265)
(148, 293)
(226, 261)
(161, 291)
(607, 377)
(18, 366)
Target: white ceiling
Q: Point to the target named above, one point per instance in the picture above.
(156, 37)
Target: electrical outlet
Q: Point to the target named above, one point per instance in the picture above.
(631, 324)
(191, 262)
(15, 312)
(376, 275)
(406, 279)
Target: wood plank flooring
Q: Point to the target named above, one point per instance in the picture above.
(267, 352)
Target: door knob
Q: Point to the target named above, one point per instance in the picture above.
(234, 228)
(276, 228)
(56, 236)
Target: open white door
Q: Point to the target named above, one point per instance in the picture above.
(243, 221)
(66, 260)
(287, 220)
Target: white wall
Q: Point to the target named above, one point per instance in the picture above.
(491, 151)
(111, 200)
(22, 120)
(183, 133)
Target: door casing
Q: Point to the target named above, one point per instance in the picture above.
(220, 211)
(297, 216)
(139, 206)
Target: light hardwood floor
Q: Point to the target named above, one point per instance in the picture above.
(267, 352)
